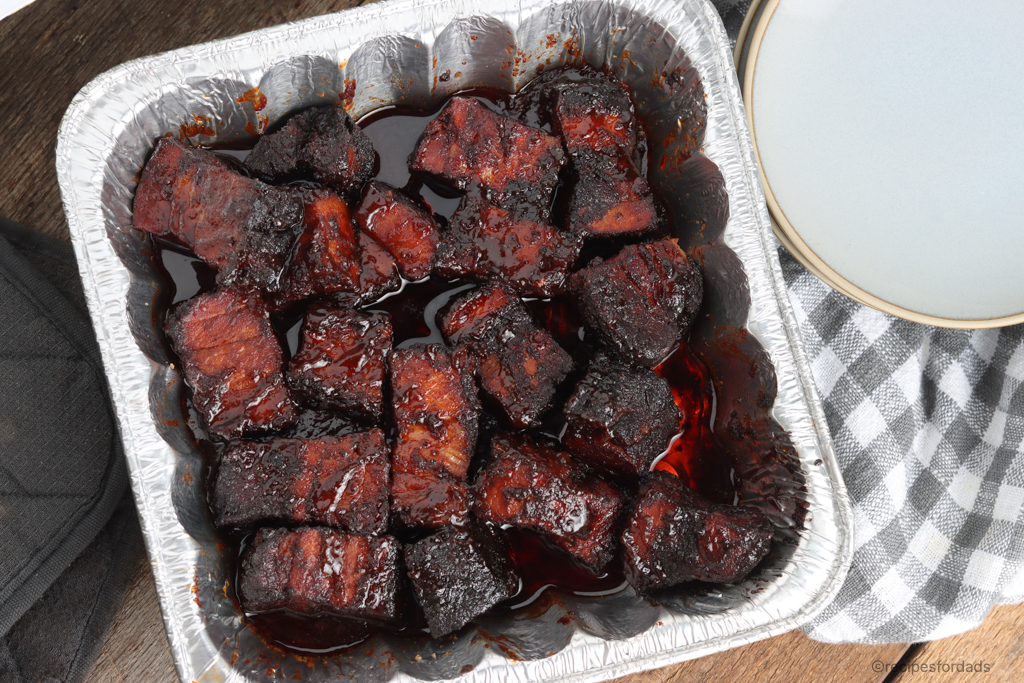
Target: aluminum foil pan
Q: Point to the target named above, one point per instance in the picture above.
(675, 55)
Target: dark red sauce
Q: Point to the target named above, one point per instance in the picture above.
(696, 455)
(542, 567)
(310, 636)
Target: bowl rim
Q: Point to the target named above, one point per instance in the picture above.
(787, 232)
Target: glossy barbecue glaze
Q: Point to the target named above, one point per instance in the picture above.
(539, 487)
(342, 362)
(338, 481)
(518, 364)
(673, 535)
(541, 364)
(233, 361)
(484, 241)
(240, 226)
(403, 227)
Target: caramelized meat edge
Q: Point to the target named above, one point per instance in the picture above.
(518, 363)
(673, 535)
(534, 486)
(232, 361)
(342, 361)
(321, 571)
(435, 410)
(240, 226)
(340, 482)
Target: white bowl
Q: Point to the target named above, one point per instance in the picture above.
(890, 138)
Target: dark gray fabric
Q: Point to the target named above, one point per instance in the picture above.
(732, 13)
(60, 636)
(62, 470)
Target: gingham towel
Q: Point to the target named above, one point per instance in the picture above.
(928, 427)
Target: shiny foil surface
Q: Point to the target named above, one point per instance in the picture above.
(676, 57)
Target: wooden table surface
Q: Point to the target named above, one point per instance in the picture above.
(52, 48)
(137, 650)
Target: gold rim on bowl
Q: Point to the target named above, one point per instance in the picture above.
(785, 231)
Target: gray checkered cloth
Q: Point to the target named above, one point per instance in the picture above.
(928, 427)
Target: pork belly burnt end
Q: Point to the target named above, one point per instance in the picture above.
(592, 111)
(342, 361)
(642, 301)
(609, 199)
(400, 225)
(321, 144)
(318, 570)
(484, 241)
(240, 226)
(458, 574)
(338, 481)
(428, 499)
(534, 486)
(378, 275)
(469, 144)
(518, 363)
(673, 535)
(327, 256)
(620, 418)
(232, 361)
(435, 411)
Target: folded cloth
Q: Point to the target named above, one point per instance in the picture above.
(62, 470)
(59, 638)
(928, 426)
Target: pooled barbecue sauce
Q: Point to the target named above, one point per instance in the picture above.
(310, 636)
(695, 455)
(542, 567)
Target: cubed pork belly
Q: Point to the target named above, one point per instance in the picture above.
(457, 574)
(342, 361)
(673, 535)
(337, 481)
(642, 301)
(232, 361)
(327, 256)
(592, 111)
(240, 226)
(484, 241)
(429, 498)
(609, 199)
(403, 227)
(533, 485)
(469, 144)
(321, 571)
(620, 417)
(321, 144)
(378, 275)
(435, 410)
(518, 363)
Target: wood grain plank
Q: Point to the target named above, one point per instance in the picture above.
(136, 649)
(793, 658)
(996, 643)
(52, 48)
